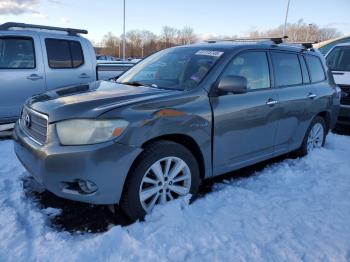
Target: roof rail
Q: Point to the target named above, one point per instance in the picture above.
(275, 40)
(71, 31)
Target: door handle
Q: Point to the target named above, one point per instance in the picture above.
(34, 77)
(271, 102)
(311, 96)
(84, 75)
(337, 73)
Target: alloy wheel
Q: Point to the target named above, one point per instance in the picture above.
(316, 137)
(165, 180)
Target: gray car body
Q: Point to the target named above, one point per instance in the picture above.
(224, 132)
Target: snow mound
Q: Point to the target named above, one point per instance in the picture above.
(290, 211)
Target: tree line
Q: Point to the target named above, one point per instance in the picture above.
(141, 43)
(301, 32)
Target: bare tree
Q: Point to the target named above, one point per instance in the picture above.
(140, 43)
(186, 36)
(148, 42)
(134, 39)
(111, 45)
(328, 33)
(168, 35)
(148, 36)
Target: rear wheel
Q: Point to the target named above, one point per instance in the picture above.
(315, 136)
(164, 171)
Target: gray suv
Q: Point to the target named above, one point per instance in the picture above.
(178, 117)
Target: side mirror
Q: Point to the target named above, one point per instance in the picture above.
(233, 84)
(114, 79)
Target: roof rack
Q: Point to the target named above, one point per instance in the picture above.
(71, 31)
(275, 40)
(307, 45)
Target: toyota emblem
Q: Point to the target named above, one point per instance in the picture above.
(27, 121)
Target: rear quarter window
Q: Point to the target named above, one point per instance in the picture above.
(316, 69)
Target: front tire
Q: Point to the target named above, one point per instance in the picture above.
(164, 171)
(315, 137)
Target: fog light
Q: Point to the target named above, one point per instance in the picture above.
(87, 186)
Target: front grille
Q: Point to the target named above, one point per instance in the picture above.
(345, 96)
(35, 125)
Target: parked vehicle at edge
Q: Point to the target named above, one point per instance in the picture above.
(36, 59)
(106, 58)
(338, 60)
(113, 69)
(206, 109)
(325, 46)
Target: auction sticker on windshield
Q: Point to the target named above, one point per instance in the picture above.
(209, 53)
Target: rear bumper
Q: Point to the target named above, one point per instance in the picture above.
(58, 167)
(344, 115)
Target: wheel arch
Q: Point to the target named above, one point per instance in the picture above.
(185, 141)
(160, 143)
(327, 118)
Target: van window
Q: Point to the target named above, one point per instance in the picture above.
(339, 59)
(64, 53)
(17, 53)
(253, 66)
(287, 69)
(315, 68)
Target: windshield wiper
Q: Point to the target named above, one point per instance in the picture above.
(136, 83)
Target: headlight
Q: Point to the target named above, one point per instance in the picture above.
(86, 131)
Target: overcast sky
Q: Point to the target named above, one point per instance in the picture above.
(221, 17)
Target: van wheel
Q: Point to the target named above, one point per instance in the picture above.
(315, 137)
(164, 171)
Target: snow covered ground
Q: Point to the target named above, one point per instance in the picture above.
(294, 210)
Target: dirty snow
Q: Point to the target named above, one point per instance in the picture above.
(294, 210)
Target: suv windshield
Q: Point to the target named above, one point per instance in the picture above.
(177, 68)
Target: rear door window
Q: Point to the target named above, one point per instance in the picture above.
(339, 59)
(287, 69)
(64, 53)
(253, 66)
(17, 53)
(315, 68)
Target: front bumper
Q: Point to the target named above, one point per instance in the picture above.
(58, 167)
(344, 115)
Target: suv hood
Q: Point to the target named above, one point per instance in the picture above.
(91, 100)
